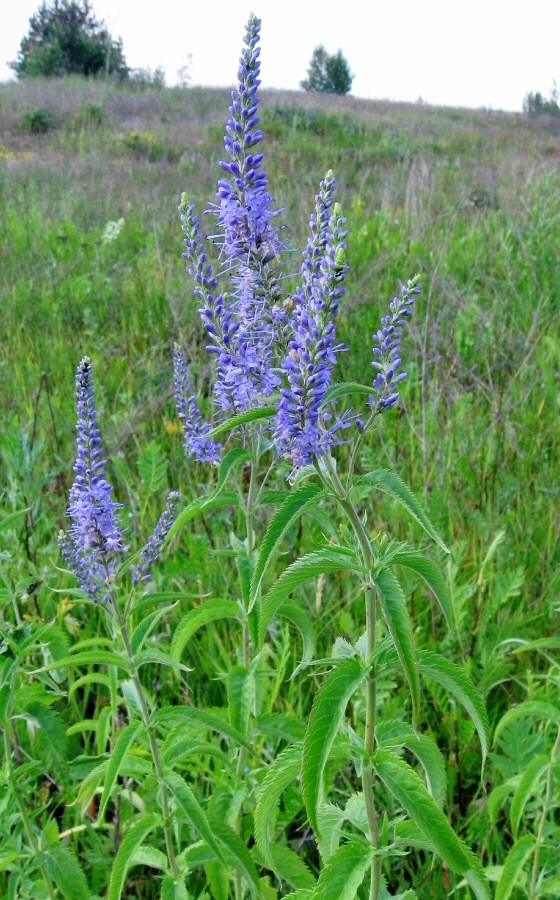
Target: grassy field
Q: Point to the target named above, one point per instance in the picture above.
(471, 199)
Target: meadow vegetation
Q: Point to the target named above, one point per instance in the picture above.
(90, 264)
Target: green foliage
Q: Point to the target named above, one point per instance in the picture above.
(40, 121)
(480, 456)
(329, 73)
(535, 104)
(65, 38)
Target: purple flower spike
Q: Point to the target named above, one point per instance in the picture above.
(156, 540)
(197, 442)
(386, 358)
(300, 432)
(95, 536)
(244, 211)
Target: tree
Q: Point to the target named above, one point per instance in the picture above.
(537, 105)
(328, 73)
(65, 38)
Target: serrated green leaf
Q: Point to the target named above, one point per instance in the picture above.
(191, 808)
(235, 853)
(153, 655)
(390, 483)
(124, 739)
(513, 866)
(290, 868)
(328, 708)
(395, 613)
(252, 415)
(211, 610)
(133, 838)
(149, 856)
(395, 733)
(528, 782)
(283, 771)
(458, 683)
(174, 889)
(173, 716)
(200, 506)
(409, 790)
(13, 517)
(152, 465)
(88, 658)
(229, 463)
(345, 871)
(345, 389)
(90, 678)
(241, 696)
(299, 617)
(497, 796)
(290, 511)
(66, 872)
(177, 748)
(528, 710)
(429, 572)
(147, 624)
(316, 563)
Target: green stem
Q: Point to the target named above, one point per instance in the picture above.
(146, 718)
(24, 817)
(250, 535)
(371, 681)
(544, 817)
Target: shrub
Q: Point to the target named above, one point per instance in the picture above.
(39, 121)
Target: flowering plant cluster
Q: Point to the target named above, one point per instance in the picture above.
(275, 350)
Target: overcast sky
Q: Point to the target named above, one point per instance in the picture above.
(475, 53)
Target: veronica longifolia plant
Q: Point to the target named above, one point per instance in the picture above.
(272, 337)
(275, 350)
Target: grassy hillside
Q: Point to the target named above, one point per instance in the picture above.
(471, 199)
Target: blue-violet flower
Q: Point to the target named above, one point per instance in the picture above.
(386, 360)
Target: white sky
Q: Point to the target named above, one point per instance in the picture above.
(475, 53)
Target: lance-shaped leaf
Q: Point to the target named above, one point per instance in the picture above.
(212, 610)
(123, 741)
(236, 854)
(191, 808)
(283, 771)
(395, 733)
(429, 572)
(200, 506)
(66, 872)
(310, 566)
(241, 694)
(229, 464)
(198, 719)
(513, 866)
(344, 389)
(87, 658)
(390, 483)
(531, 709)
(458, 683)
(129, 844)
(290, 511)
(528, 782)
(326, 715)
(252, 415)
(395, 613)
(299, 617)
(345, 871)
(411, 793)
